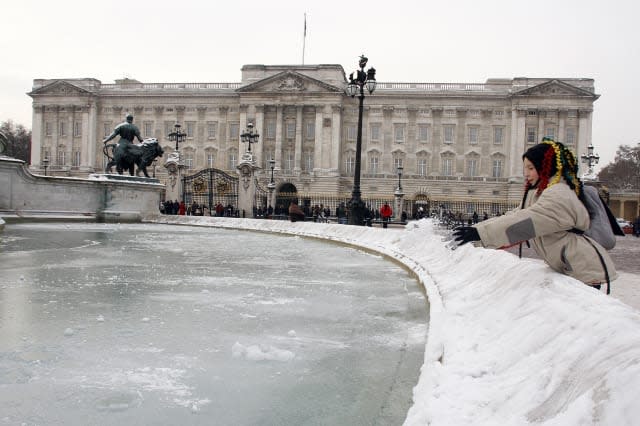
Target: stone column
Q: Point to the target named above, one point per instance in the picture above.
(562, 125)
(259, 127)
(584, 131)
(336, 147)
(518, 136)
(399, 197)
(246, 187)
(297, 162)
(279, 123)
(90, 134)
(540, 126)
(317, 143)
(37, 136)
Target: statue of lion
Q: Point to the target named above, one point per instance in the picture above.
(125, 156)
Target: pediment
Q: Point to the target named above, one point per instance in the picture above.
(557, 88)
(60, 88)
(289, 82)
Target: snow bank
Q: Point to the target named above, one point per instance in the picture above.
(510, 342)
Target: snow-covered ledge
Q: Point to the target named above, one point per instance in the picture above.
(510, 342)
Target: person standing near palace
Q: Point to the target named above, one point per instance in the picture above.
(386, 212)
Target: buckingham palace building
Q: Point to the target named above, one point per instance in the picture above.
(454, 142)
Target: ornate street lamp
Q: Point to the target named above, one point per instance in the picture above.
(249, 137)
(591, 160)
(177, 135)
(271, 186)
(358, 80)
(272, 164)
(45, 164)
(400, 168)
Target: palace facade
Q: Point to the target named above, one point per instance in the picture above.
(454, 141)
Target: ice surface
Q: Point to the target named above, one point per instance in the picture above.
(118, 324)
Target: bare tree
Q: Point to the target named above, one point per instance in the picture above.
(17, 139)
(624, 172)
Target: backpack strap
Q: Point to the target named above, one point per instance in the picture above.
(604, 265)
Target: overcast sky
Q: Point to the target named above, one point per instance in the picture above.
(406, 41)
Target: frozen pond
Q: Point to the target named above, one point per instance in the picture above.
(154, 324)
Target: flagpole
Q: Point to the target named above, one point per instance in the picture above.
(304, 37)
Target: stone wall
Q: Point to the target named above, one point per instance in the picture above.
(108, 198)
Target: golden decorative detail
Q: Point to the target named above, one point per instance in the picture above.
(199, 185)
(223, 187)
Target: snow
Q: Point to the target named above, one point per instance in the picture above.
(510, 342)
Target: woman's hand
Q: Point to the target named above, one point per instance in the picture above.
(465, 234)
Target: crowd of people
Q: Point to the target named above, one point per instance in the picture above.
(174, 207)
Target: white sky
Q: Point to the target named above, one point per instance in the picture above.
(407, 41)
(503, 349)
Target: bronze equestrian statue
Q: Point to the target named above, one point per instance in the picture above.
(125, 155)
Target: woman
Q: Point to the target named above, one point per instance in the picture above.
(551, 215)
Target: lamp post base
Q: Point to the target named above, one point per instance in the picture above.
(358, 211)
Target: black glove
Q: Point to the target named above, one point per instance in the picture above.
(465, 234)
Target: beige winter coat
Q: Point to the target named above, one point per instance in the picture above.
(546, 220)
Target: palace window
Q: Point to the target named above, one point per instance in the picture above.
(571, 136)
(63, 128)
(211, 159)
(349, 164)
(62, 157)
(190, 128)
(148, 129)
(212, 129)
(188, 160)
(270, 129)
(472, 167)
(375, 132)
(448, 133)
(233, 159)
(423, 133)
(77, 129)
(497, 168)
(447, 166)
(498, 135)
(234, 131)
(374, 162)
(290, 130)
(106, 128)
(351, 132)
(473, 135)
(550, 132)
(307, 161)
(268, 155)
(397, 162)
(76, 159)
(421, 169)
(398, 132)
(47, 128)
(310, 133)
(532, 135)
(289, 161)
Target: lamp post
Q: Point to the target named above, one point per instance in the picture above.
(399, 195)
(271, 186)
(590, 159)
(45, 164)
(177, 135)
(358, 80)
(249, 137)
